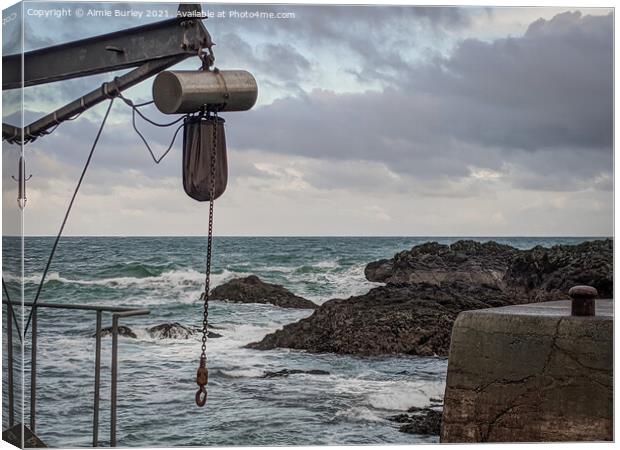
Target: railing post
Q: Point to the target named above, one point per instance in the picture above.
(118, 313)
(9, 338)
(33, 370)
(114, 373)
(97, 380)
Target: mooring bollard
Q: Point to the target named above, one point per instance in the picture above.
(583, 300)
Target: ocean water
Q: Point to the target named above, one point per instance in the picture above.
(157, 377)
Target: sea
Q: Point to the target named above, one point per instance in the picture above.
(156, 377)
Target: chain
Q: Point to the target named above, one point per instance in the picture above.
(202, 375)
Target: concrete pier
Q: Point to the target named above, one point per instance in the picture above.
(530, 373)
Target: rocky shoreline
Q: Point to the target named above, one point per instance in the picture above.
(429, 285)
(425, 289)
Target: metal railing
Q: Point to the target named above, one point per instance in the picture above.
(117, 314)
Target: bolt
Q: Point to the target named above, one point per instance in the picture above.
(583, 300)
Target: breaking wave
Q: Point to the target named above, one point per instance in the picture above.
(171, 278)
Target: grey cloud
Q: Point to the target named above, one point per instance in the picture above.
(547, 93)
(376, 34)
(276, 62)
(549, 88)
(536, 109)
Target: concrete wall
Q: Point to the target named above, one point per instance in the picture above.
(530, 373)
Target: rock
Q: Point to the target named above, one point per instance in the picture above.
(379, 271)
(400, 418)
(415, 409)
(172, 331)
(433, 263)
(428, 286)
(427, 423)
(538, 274)
(177, 331)
(410, 319)
(287, 372)
(122, 331)
(252, 290)
(548, 273)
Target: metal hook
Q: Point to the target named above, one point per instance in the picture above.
(201, 396)
(202, 378)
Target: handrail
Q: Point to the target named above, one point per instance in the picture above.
(118, 312)
(114, 309)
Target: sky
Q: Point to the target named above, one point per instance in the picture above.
(371, 120)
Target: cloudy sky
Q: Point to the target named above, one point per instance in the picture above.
(370, 121)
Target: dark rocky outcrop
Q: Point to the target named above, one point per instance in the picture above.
(548, 273)
(287, 372)
(433, 263)
(410, 319)
(539, 274)
(428, 286)
(122, 331)
(252, 289)
(177, 331)
(425, 421)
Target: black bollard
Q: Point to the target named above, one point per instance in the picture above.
(583, 300)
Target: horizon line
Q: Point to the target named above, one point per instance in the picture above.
(314, 236)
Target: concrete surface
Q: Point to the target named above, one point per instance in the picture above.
(530, 373)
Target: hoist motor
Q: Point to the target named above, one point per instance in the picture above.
(187, 91)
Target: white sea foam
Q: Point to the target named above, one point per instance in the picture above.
(404, 395)
(338, 283)
(330, 264)
(359, 414)
(243, 373)
(170, 279)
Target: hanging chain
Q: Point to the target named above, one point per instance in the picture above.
(202, 375)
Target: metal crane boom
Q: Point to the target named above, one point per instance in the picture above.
(150, 48)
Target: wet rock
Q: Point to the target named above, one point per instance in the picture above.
(177, 331)
(415, 409)
(539, 274)
(548, 273)
(400, 418)
(433, 263)
(287, 372)
(122, 331)
(252, 290)
(409, 319)
(172, 331)
(427, 423)
(428, 286)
